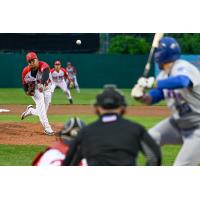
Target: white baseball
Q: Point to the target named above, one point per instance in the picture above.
(78, 42)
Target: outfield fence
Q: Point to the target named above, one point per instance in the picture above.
(94, 70)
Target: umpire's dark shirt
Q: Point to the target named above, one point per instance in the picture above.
(112, 140)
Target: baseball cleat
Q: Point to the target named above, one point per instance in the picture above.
(70, 101)
(27, 112)
(50, 133)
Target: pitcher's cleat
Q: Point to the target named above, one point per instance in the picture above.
(27, 112)
(49, 132)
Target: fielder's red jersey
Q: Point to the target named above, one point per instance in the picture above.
(26, 73)
(59, 76)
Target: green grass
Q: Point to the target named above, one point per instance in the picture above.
(22, 155)
(18, 155)
(169, 153)
(52, 118)
(87, 96)
(147, 121)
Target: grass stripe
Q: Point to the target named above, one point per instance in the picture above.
(147, 121)
(22, 155)
(86, 97)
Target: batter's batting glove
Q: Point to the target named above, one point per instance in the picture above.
(142, 81)
(151, 82)
(146, 82)
(137, 92)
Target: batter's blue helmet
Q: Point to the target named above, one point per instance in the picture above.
(167, 51)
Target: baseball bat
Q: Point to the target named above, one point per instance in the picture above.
(155, 43)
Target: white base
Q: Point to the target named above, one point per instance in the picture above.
(4, 110)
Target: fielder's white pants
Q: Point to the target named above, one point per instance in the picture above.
(63, 86)
(75, 83)
(42, 100)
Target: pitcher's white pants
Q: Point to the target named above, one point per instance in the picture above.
(42, 100)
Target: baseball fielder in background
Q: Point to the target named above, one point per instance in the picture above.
(59, 76)
(36, 79)
(71, 71)
(179, 84)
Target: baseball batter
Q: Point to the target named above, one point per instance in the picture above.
(36, 79)
(179, 84)
(71, 71)
(59, 76)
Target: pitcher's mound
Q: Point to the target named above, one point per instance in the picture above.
(26, 133)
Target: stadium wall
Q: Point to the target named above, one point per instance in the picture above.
(93, 70)
(194, 59)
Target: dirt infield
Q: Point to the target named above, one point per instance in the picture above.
(25, 133)
(29, 133)
(84, 109)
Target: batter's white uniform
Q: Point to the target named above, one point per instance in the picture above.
(59, 81)
(41, 99)
(183, 127)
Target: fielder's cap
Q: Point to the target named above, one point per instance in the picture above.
(110, 98)
(71, 128)
(69, 63)
(31, 56)
(57, 62)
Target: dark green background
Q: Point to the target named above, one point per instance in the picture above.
(93, 70)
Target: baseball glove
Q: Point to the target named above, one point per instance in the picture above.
(31, 88)
(71, 84)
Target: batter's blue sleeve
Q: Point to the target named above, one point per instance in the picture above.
(175, 82)
(156, 95)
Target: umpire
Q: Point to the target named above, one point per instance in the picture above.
(112, 140)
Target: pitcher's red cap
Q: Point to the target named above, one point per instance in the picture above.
(31, 56)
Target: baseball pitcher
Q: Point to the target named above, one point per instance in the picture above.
(59, 76)
(179, 84)
(36, 79)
